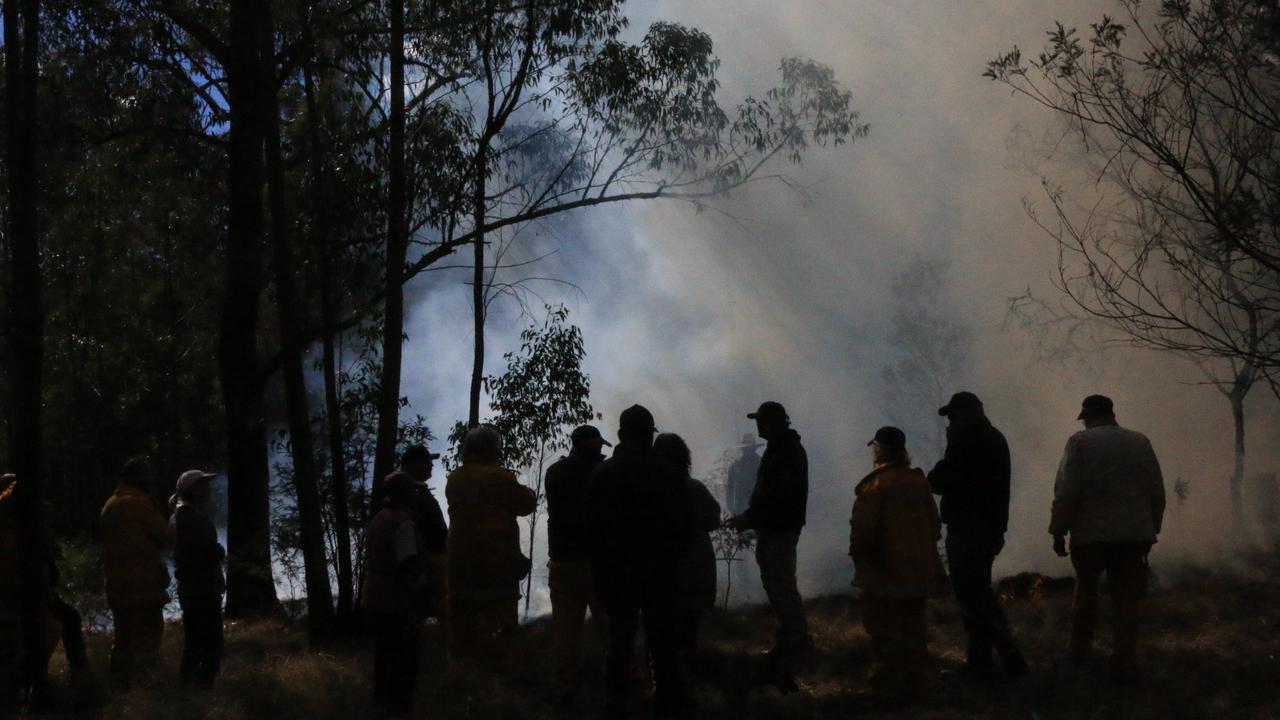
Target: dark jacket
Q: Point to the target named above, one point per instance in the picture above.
(781, 495)
(639, 510)
(973, 479)
(698, 568)
(197, 556)
(393, 563)
(894, 533)
(568, 515)
(429, 520)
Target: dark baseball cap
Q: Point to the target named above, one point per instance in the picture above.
(636, 417)
(963, 400)
(890, 437)
(1096, 405)
(588, 432)
(769, 408)
(417, 453)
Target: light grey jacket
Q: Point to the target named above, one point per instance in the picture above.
(1109, 488)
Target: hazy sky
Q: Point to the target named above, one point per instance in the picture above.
(700, 317)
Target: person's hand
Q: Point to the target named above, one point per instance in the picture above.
(1060, 545)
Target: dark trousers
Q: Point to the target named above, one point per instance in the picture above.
(686, 632)
(649, 594)
(776, 556)
(899, 643)
(573, 592)
(969, 557)
(136, 646)
(396, 657)
(201, 641)
(1126, 567)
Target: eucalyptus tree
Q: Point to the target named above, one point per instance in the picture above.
(1178, 109)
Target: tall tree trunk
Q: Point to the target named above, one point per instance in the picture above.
(25, 341)
(250, 586)
(333, 404)
(305, 482)
(397, 247)
(1238, 523)
(478, 288)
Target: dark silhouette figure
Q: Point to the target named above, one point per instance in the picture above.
(742, 476)
(1109, 496)
(973, 479)
(698, 568)
(393, 580)
(641, 515)
(433, 534)
(893, 541)
(777, 514)
(572, 586)
(197, 565)
(134, 534)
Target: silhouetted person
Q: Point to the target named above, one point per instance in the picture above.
(433, 534)
(197, 565)
(572, 587)
(1109, 497)
(742, 476)
(893, 540)
(777, 514)
(973, 479)
(23, 673)
(485, 562)
(134, 531)
(640, 510)
(393, 581)
(698, 568)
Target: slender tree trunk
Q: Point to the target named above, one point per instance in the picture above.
(397, 247)
(25, 341)
(533, 528)
(305, 475)
(478, 288)
(250, 586)
(333, 404)
(1238, 522)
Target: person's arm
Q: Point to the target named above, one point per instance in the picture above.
(706, 511)
(1156, 480)
(1001, 478)
(864, 523)
(509, 493)
(946, 474)
(1066, 491)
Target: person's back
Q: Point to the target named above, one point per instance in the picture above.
(133, 543)
(567, 485)
(1109, 488)
(894, 534)
(779, 501)
(485, 501)
(392, 541)
(973, 479)
(197, 556)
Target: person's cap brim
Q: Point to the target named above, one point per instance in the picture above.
(753, 415)
(870, 443)
(1080, 416)
(606, 443)
(433, 456)
(944, 410)
(207, 476)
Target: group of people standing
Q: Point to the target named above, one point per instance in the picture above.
(629, 541)
(1109, 499)
(136, 539)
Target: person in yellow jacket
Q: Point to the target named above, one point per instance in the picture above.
(485, 562)
(893, 541)
(134, 532)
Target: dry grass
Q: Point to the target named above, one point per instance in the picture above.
(1211, 650)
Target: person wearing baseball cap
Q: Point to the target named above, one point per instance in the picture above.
(567, 483)
(134, 534)
(1109, 497)
(777, 513)
(641, 524)
(197, 566)
(893, 540)
(973, 478)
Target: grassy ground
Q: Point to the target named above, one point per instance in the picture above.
(1211, 650)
